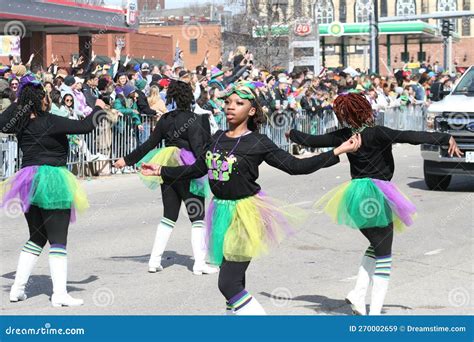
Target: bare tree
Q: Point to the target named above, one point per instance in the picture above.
(270, 48)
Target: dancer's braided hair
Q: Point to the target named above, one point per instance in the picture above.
(353, 109)
(181, 94)
(29, 102)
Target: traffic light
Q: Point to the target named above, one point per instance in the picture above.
(445, 28)
(451, 28)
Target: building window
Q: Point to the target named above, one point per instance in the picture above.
(324, 11)
(446, 6)
(383, 8)
(193, 46)
(363, 10)
(405, 7)
(298, 6)
(466, 21)
(342, 11)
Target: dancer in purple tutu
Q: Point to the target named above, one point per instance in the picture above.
(45, 190)
(370, 202)
(185, 134)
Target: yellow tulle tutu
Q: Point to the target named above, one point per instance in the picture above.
(247, 228)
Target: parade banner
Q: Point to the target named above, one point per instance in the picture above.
(10, 46)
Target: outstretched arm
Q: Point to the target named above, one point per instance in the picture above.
(152, 142)
(284, 161)
(332, 139)
(390, 136)
(169, 174)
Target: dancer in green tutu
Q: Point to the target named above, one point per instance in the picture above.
(370, 202)
(185, 134)
(47, 192)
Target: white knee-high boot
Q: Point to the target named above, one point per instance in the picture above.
(58, 269)
(163, 233)
(244, 304)
(198, 238)
(27, 261)
(356, 297)
(380, 281)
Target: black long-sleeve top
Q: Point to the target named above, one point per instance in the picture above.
(374, 159)
(44, 138)
(232, 167)
(178, 128)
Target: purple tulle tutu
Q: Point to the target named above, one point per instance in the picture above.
(403, 208)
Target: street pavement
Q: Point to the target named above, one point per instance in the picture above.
(309, 274)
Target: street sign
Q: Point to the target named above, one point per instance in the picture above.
(132, 12)
(303, 28)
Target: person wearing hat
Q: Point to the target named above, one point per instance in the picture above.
(5, 71)
(75, 88)
(266, 96)
(126, 103)
(69, 87)
(66, 86)
(145, 71)
(281, 94)
(217, 79)
(142, 102)
(89, 89)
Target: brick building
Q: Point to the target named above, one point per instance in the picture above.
(195, 39)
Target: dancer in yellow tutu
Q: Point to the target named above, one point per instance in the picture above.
(47, 192)
(243, 223)
(185, 134)
(370, 202)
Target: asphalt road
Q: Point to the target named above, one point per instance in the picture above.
(309, 274)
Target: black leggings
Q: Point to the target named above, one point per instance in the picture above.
(380, 239)
(174, 194)
(232, 278)
(48, 225)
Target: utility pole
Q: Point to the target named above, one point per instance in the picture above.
(374, 38)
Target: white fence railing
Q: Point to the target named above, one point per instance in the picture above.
(113, 140)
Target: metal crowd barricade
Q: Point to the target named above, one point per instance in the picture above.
(116, 137)
(409, 117)
(9, 160)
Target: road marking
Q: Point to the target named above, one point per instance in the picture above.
(436, 251)
(349, 279)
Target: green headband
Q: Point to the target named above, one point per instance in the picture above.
(243, 90)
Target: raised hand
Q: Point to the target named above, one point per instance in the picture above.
(454, 149)
(351, 145)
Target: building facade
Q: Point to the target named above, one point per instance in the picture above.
(358, 11)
